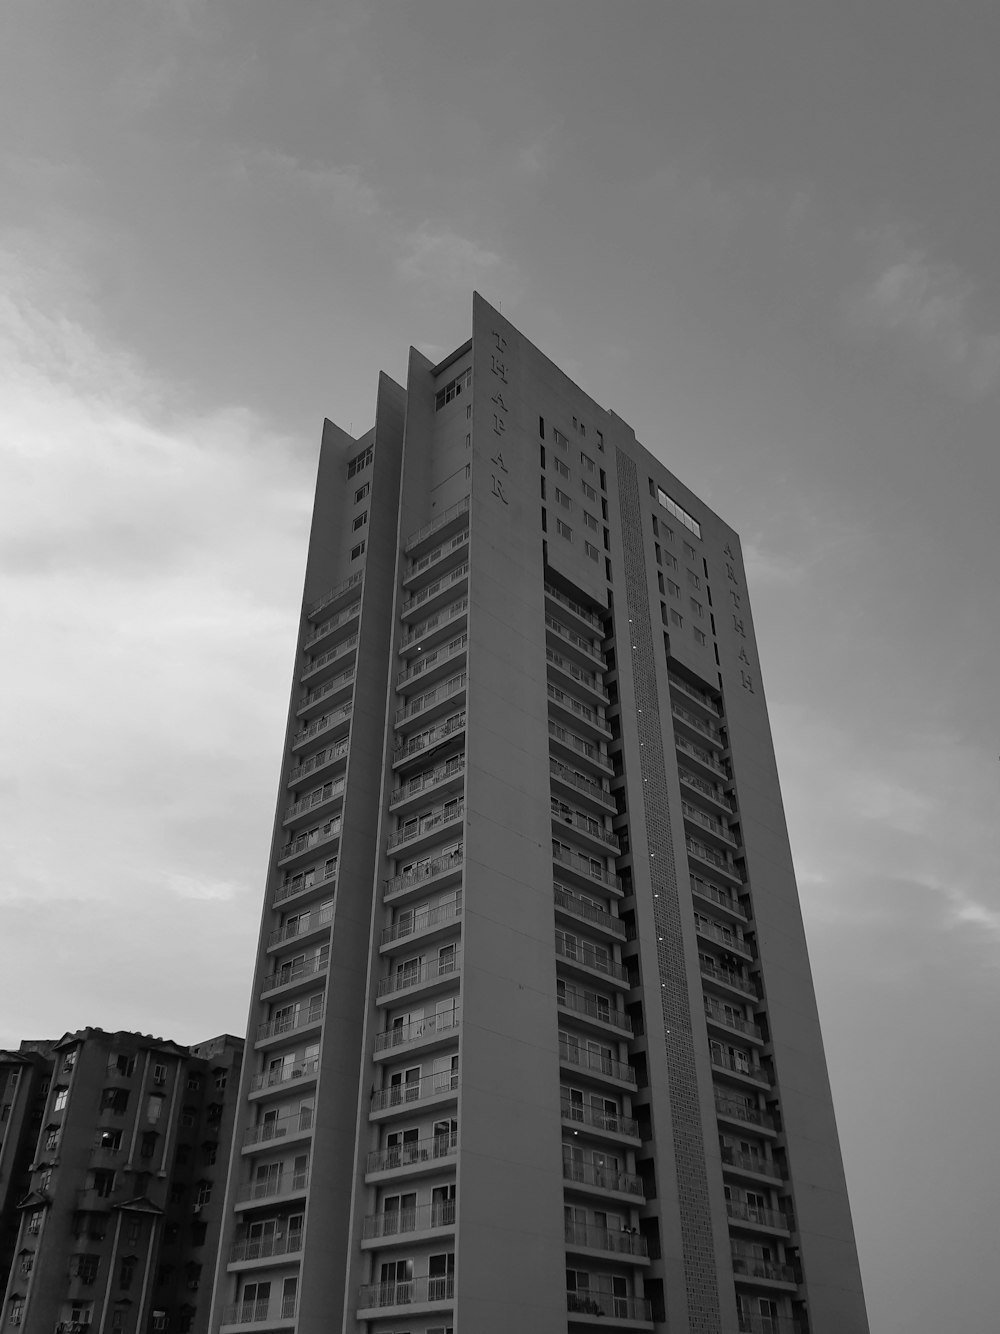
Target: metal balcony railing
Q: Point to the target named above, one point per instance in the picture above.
(276, 1027)
(430, 697)
(442, 521)
(702, 756)
(415, 1151)
(594, 1060)
(586, 646)
(302, 926)
(587, 1115)
(770, 1324)
(441, 585)
(693, 693)
(426, 824)
(699, 724)
(421, 921)
(417, 1090)
(292, 972)
(328, 720)
(404, 978)
(589, 715)
(720, 896)
(424, 1216)
(406, 1293)
(333, 594)
(578, 951)
(587, 825)
(587, 785)
(284, 1184)
(434, 866)
(319, 797)
(708, 822)
(414, 1030)
(741, 1212)
(588, 679)
(327, 756)
(436, 554)
(575, 608)
(722, 1060)
(441, 732)
(321, 659)
(262, 1248)
(302, 880)
(606, 1239)
(328, 626)
(607, 1304)
(724, 935)
(732, 977)
(450, 613)
(587, 912)
(313, 839)
(587, 1174)
(719, 1013)
(437, 656)
(329, 687)
(431, 778)
(750, 1162)
(749, 1266)
(600, 1010)
(279, 1127)
(270, 1079)
(578, 862)
(738, 1110)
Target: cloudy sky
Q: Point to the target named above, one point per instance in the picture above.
(765, 235)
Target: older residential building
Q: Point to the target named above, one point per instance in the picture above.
(119, 1197)
(533, 1044)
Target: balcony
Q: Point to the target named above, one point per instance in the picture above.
(583, 786)
(583, 716)
(766, 1271)
(587, 868)
(438, 971)
(298, 972)
(592, 959)
(299, 883)
(754, 1216)
(412, 1154)
(596, 1063)
(593, 831)
(699, 697)
(316, 667)
(711, 792)
(291, 1024)
(587, 682)
(699, 726)
(721, 897)
(341, 684)
(265, 1248)
(432, 701)
(603, 1304)
(321, 760)
(601, 1012)
(320, 797)
(716, 1013)
(306, 924)
(716, 860)
(419, 832)
(602, 1179)
(413, 1292)
(433, 594)
(286, 1076)
(292, 1183)
(567, 902)
(709, 823)
(331, 626)
(735, 1109)
(419, 923)
(304, 844)
(770, 1324)
(420, 1219)
(334, 595)
(431, 1030)
(447, 518)
(328, 725)
(442, 869)
(271, 1311)
(590, 751)
(436, 556)
(736, 979)
(750, 1162)
(589, 618)
(701, 757)
(723, 935)
(280, 1127)
(432, 664)
(594, 1238)
(745, 1069)
(435, 628)
(608, 1123)
(428, 781)
(587, 651)
(426, 741)
(442, 1086)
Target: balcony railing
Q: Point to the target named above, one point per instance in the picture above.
(416, 1029)
(293, 1183)
(321, 659)
(298, 883)
(450, 613)
(292, 972)
(424, 1216)
(575, 608)
(275, 1027)
(588, 679)
(405, 1294)
(720, 896)
(578, 862)
(330, 687)
(607, 1304)
(443, 519)
(279, 1127)
(588, 1174)
(262, 1312)
(437, 656)
(262, 1248)
(724, 935)
(587, 825)
(693, 693)
(578, 951)
(770, 1324)
(750, 1162)
(416, 744)
(737, 1110)
(741, 1212)
(425, 825)
(436, 554)
(329, 755)
(587, 1115)
(417, 1090)
(719, 1014)
(327, 721)
(581, 784)
(594, 1060)
(732, 977)
(589, 749)
(341, 618)
(446, 691)
(711, 790)
(286, 1075)
(404, 978)
(434, 866)
(604, 1012)
(441, 585)
(606, 1239)
(708, 822)
(722, 1060)
(411, 1152)
(421, 921)
(302, 926)
(586, 646)
(748, 1266)
(587, 912)
(317, 798)
(588, 715)
(456, 765)
(699, 724)
(699, 850)
(313, 839)
(334, 593)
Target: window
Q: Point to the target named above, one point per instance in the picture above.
(699, 636)
(188, 1117)
(133, 1231)
(120, 1064)
(541, 427)
(126, 1271)
(675, 618)
(589, 491)
(115, 1101)
(362, 491)
(154, 1108)
(159, 1320)
(564, 530)
(357, 551)
(110, 1140)
(560, 467)
(16, 1313)
(159, 1074)
(69, 1062)
(35, 1221)
(62, 1098)
(453, 389)
(26, 1264)
(587, 462)
(678, 511)
(675, 589)
(103, 1183)
(360, 461)
(590, 521)
(696, 607)
(559, 438)
(84, 1268)
(360, 521)
(203, 1195)
(222, 1076)
(147, 1144)
(591, 551)
(563, 499)
(693, 579)
(689, 551)
(600, 441)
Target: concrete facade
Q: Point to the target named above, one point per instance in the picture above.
(533, 1042)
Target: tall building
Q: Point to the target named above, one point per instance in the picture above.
(533, 1043)
(113, 1148)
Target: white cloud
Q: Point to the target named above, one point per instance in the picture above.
(342, 189)
(440, 256)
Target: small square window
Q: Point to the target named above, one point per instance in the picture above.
(587, 461)
(564, 530)
(360, 521)
(361, 492)
(676, 618)
(357, 551)
(591, 550)
(560, 467)
(699, 636)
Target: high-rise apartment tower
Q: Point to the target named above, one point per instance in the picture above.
(533, 1041)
